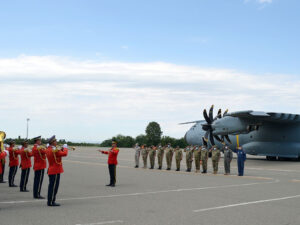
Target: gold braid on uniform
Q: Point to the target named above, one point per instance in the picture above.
(13, 151)
(39, 150)
(55, 159)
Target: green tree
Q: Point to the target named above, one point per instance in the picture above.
(141, 139)
(153, 133)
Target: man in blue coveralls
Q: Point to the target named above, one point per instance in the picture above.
(241, 158)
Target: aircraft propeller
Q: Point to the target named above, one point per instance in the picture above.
(208, 128)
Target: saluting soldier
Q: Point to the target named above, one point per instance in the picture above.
(112, 163)
(145, 152)
(160, 156)
(197, 158)
(178, 157)
(169, 156)
(25, 166)
(215, 158)
(137, 155)
(189, 158)
(39, 155)
(228, 155)
(13, 163)
(204, 158)
(54, 155)
(152, 154)
(241, 158)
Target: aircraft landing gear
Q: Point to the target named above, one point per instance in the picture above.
(271, 158)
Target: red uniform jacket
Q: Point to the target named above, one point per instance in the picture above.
(39, 158)
(25, 158)
(112, 156)
(13, 157)
(2, 156)
(54, 159)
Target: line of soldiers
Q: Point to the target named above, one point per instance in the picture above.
(198, 154)
(52, 153)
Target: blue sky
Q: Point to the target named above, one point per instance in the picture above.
(214, 51)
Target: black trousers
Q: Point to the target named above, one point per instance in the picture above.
(53, 188)
(3, 169)
(11, 176)
(24, 179)
(38, 182)
(112, 173)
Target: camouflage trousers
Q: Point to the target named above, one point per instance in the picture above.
(189, 160)
(145, 156)
(169, 157)
(197, 158)
(152, 159)
(178, 161)
(160, 157)
(215, 164)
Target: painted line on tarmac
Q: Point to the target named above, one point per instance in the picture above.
(295, 181)
(102, 223)
(246, 203)
(264, 169)
(172, 171)
(144, 193)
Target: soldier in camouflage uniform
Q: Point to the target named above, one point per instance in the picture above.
(145, 152)
(160, 156)
(152, 154)
(169, 156)
(197, 158)
(215, 157)
(189, 158)
(137, 155)
(228, 155)
(204, 158)
(178, 157)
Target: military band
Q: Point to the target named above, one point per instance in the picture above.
(25, 166)
(13, 163)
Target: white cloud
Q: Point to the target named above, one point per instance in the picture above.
(264, 1)
(92, 100)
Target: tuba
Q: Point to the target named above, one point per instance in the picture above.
(2, 137)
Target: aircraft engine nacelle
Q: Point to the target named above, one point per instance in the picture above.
(232, 125)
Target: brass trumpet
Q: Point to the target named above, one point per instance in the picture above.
(2, 137)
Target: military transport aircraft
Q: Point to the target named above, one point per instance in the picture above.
(259, 133)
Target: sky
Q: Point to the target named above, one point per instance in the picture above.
(88, 70)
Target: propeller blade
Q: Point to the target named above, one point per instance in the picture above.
(219, 114)
(228, 139)
(206, 117)
(218, 139)
(226, 111)
(211, 111)
(206, 135)
(211, 138)
(204, 142)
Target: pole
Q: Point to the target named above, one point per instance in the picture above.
(27, 128)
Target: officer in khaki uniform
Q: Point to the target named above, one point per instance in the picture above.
(204, 158)
(178, 157)
(145, 153)
(228, 155)
(169, 156)
(215, 157)
(160, 156)
(197, 158)
(152, 154)
(189, 158)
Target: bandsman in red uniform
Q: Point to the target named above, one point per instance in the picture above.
(2, 156)
(39, 155)
(2, 161)
(13, 163)
(54, 156)
(112, 162)
(25, 165)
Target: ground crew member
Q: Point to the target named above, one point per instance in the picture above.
(169, 156)
(204, 158)
(137, 155)
(215, 158)
(152, 154)
(189, 158)
(178, 157)
(197, 158)
(25, 165)
(2, 156)
(39, 155)
(227, 158)
(160, 156)
(241, 158)
(54, 155)
(13, 163)
(112, 163)
(145, 152)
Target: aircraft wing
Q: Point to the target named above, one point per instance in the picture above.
(267, 116)
(197, 121)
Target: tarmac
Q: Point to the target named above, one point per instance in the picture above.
(268, 194)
